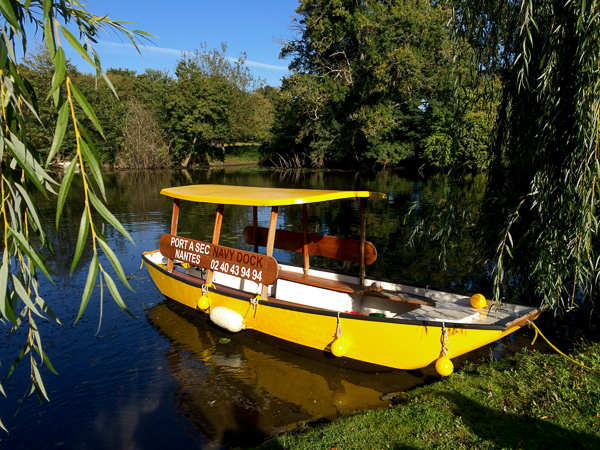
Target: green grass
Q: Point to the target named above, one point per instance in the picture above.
(531, 400)
(233, 155)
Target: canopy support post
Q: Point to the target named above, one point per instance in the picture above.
(305, 238)
(270, 244)
(255, 231)
(216, 236)
(363, 204)
(174, 222)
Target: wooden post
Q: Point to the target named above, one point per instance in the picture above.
(305, 238)
(215, 238)
(363, 227)
(255, 222)
(174, 222)
(270, 243)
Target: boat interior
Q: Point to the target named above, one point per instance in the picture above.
(325, 290)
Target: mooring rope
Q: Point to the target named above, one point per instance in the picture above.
(445, 340)
(253, 304)
(537, 331)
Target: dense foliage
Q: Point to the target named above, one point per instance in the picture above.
(545, 170)
(213, 102)
(373, 82)
(209, 104)
(540, 203)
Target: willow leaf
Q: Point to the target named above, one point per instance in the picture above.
(4, 269)
(84, 226)
(59, 132)
(112, 287)
(30, 206)
(9, 15)
(115, 262)
(3, 53)
(76, 45)
(104, 212)
(37, 260)
(23, 352)
(40, 389)
(101, 306)
(26, 162)
(60, 67)
(9, 46)
(38, 169)
(46, 8)
(89, 286)
(64, 189)
(23, 295)
(49, 34)
(88, 139)
(46, 360)
(87, 109)
(94, 166)
(40, 301)
(8, 310)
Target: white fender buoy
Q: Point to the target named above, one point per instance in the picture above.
(227, 318)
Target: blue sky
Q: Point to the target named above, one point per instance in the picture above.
(183, 25)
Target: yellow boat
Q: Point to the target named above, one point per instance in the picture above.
(356, 322)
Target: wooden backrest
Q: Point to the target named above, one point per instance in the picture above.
(328, 246)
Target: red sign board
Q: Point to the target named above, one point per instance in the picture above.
(247, 265)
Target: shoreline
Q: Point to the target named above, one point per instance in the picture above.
(530, 400)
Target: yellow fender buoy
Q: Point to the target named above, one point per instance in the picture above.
(444, 366)
(203, 303)
(478, 301)
(339, 347)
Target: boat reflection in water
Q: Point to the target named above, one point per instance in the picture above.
(242, 392)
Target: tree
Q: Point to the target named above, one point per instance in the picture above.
(541, 200)
(364, 76)
(213, 102)
(23, 173)
(144, 146)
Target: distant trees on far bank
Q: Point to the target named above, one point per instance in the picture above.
(160, 120)
(373, 84)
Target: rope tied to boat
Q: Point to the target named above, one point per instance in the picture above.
(445, 340)
(253, 304)
(537, 331)
(338, 331)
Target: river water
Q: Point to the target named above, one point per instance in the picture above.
(163, 379)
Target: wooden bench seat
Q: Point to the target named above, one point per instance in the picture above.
(351, 288)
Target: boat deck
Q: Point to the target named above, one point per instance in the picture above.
(326, 291)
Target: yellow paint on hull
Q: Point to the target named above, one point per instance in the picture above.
(390, 344)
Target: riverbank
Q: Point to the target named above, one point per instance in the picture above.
(248, 155)
(530, 400)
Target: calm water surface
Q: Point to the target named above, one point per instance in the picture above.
(163, 379)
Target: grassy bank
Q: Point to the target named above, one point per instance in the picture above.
(237, 156)
(531, 400)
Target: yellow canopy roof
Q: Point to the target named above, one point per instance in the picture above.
(260, 196)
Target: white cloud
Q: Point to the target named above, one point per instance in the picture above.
(128, 48)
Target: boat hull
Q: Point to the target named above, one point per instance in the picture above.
(372, 343)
